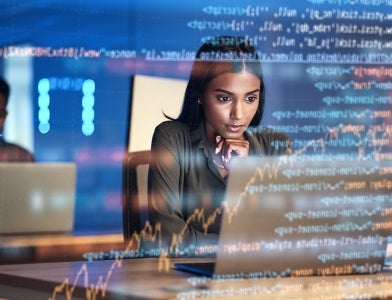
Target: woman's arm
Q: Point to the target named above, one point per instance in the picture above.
(166, 189)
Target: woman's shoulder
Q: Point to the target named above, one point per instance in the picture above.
(172, 126)
(270, 140)
(268, 133)
(173, 130)
(172, 135)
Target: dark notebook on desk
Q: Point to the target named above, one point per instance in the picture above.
(37, 198)
(301, 216)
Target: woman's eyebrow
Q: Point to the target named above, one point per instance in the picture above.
(223, 91)
(253, 92)
(229, 92)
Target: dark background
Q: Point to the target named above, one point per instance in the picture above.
(299, 87)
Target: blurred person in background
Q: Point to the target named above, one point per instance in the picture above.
(9, 152)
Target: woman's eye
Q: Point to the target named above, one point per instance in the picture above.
(251, 99)
(224, 98)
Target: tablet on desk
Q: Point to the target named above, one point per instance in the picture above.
(37, 198)
(293, 216)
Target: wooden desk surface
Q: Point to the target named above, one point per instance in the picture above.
(54, 247)
(141, 279)
(57, 239)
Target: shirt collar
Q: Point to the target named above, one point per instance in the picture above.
(198, 137)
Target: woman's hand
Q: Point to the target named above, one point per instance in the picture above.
(227, 148)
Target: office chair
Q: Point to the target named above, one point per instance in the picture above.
(135, 212)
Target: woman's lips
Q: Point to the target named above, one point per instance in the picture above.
(234, 128)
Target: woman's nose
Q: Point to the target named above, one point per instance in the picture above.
(236, 110)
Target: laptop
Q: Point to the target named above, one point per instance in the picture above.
(37, 198)
(302, 216)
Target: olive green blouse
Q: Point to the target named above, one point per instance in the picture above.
(185, 187)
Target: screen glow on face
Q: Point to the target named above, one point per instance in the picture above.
(230, 102)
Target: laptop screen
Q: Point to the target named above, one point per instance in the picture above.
(305, 216)
(37, 197)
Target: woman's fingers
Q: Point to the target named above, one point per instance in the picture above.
(229, 147)
(219, 144)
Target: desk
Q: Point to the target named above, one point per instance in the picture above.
(54, 247)
(141, 279)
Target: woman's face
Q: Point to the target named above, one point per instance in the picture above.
(230, 102)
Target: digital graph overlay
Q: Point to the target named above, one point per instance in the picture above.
(381, 203)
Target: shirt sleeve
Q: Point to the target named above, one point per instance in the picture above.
(269, 142)
(166, 185)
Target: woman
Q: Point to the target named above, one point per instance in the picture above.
(191, 155)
